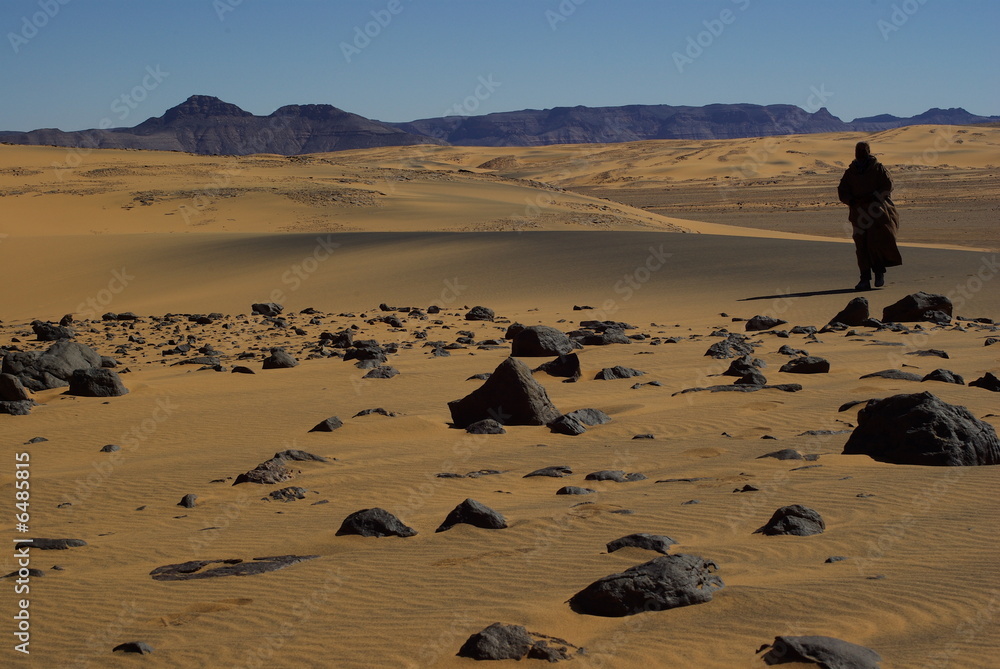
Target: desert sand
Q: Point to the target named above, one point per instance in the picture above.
(641, 233)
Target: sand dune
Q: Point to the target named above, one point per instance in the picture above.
(342, 233)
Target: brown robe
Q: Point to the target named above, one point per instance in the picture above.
(865, 188)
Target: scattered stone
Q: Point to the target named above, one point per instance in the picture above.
(480, 314)
(807, 365)
(139, 647)
(747, 488)
(110, 448)
(510, 396)
(616, 475)
(195, 569)
(574, 490)
(96, 382)
(382, 372)
(12, 390)
(378, 410)
(920, 429)
(513, 642)
(279, 359)
(945, 376)
(567, 425)
(567, 366)
(50, 332)
(374, 523)
(240, 369)
(485, 426)
(788, 350)
(735, 345)
(645, 435)
(55, 544)
(471, 512)
(988, 382)
(894, 374)
(827, 652)
(854, 314)
(329, 425)
(555, 471)
(50, 369)
(617, 372)
(288, 494)
(797, 520)
(666, 582)
(743, 387)
(917, 307)
(275, 470)
(269, 309)
(834, 558)
(539, 341)
(651, 542)
(931, 352)
(753, 378)
(760, 323)
(188, 501)
(743, 365)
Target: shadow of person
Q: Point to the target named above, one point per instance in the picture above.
(812, 293)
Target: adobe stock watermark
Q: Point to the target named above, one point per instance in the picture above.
(483, 91)
(562, 13)
(901, 13)
(223, 7)
(30, 25)
(364, 34)
(92, 306)
(698, 43)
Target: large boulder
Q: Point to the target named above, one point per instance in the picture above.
(917, 307)
(52, 368)
(279, 359)
(12, 390)
(270, 309)
(825, 651)
(50, 332)
(478, 313)
(854, 314)
(735, 345)
(759, 323)
(375, 523)
(665, 582)
(794, 519)
(567, 366)
(96, 382)
(510, 396)
(477, 514)
(921, 429)
(513, 642)
(809, 364)
(539, 341)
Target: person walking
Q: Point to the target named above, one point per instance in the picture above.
(866, 188)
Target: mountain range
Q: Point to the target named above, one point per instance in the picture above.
(207, 125)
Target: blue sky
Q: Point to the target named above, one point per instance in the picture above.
(74, 63)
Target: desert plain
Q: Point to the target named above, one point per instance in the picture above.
(685, 241)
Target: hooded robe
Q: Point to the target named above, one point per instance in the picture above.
(865, 188)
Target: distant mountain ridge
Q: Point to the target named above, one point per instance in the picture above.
(207, 125)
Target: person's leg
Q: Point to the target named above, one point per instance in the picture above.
(864, 262)
(879, 276)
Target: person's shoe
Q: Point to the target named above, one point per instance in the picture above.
(864, 284)
(879, 280)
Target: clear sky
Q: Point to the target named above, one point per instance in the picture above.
(68, 63)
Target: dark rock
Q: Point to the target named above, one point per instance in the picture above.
(734, 345)
(12, 390)
(665, 582)
(480, 314)
(378, 410)
(651, 542)
(760, 323)
(51, 369)
(803, 330)
(279, 359)
(743, 365)
(807, 365)
(110, 448)
(269, 309)
(140, 647)
(329, 425)
(788, 350)
(32, 572)
(987, 381)
(471, 512)
(49, 332)
(590, 417)
(645, 435)
(616, 475)
(743, 387)
(56, 544)
(567, 366)
(498, 642)
(382, 372)
(895, 374)
(747, 488)
(834, 558)
(605, 338)
(288, 494)
(195, 569)
(539, 341)
(574, 490)
(931, 352)
(567, 425)
(827, 652)
(375, 523)
(944, 375)
(485, 426)
(268, 472)
(783, 454)
(753, 377)
(920, 429)
(794, 519)
(555, 471)
(188, 501)
(617, 372)
(510, 396)
(240, 369)
(96, 382)
(854, 314)
(298, 456)
(917, 307)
